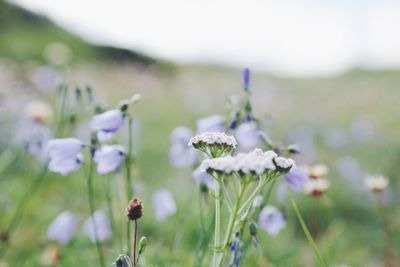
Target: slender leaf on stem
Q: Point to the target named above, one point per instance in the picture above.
(313, 245)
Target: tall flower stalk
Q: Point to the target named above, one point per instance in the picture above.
(129, 190)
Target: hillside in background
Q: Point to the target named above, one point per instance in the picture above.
(25, 36)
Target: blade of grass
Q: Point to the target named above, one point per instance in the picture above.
(313, 245)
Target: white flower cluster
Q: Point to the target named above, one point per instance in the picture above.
(376, 183)
(212, 138)
(316, 187)
(255, 161)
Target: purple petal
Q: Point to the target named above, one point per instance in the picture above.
(63, 227)
(109, 121)
(109, 158)
(272, 220)
(246, 78)
(103, 227)
(296, 178)
(163, 204)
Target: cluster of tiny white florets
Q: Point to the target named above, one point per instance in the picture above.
(212, 138)
(376, 183)
(256, 161)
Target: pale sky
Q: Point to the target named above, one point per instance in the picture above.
(283, 37)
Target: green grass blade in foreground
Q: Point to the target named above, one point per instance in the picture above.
(313, 245)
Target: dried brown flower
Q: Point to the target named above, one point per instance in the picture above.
(135, 209)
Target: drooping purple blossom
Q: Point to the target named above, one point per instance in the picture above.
(200, 176)
(109, 158)
(107, 124)
(65, 155)
(247, 136)
(163, 204)
(246, 78)
(62, 228)
(180, 154)
(271, 220)
(214, 123)
(103, 227)
(296, 178)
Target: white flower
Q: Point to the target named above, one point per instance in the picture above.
(376, 183)
(271, 220)
(107, 124)
(103, 227)
(212, 138)
(63, 227)
(247, 136)
(109, 158)
(318, 171)
(213, 123)
(256, 161)
(316, 187)
(39, 111)
(163, 204)
(65, 155)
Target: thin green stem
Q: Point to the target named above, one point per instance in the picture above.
(92, 207)
(134, 244)
(107, 189)
(21, 206)
(60, 126)
(261, 184)
(129, 192)
(217, 225)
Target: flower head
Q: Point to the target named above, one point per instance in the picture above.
(63, 227)
(271, 220)
(247, 136)
(39, 111)
(215, 144)
(109, 158)
(296, 178)
(107, 124)
(163, 204)
(200, 176)
(376, 183)
(316, 187)
(103, 228)
(135, 209)
(318, 171)
(65, 155)
(180, 155)
(246, 78)
(214, 123)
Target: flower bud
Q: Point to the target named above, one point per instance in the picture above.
(135, 209)
(142, 244)
(253, 229)
(122, 261)
(78, 94)
(246, 78)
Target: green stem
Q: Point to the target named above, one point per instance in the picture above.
(217, 225)
(261, 184)
(21, 206)
(62, 111)
(107, 189)
(92, 207)
(129, 192)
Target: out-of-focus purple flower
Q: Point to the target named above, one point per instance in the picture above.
(46, 78)
(180, 154)
(247, 136)
(214, 123)
(362, 130)
(163, 204)
(272, 220)
(200, 176)
(65, 155)
(281, 192)
(336, 138)
(304, 138)
(107, 124)
(246, 78)
(103, 227)
(109, 158)
(62, 227)
(296, 178)
(349, 168)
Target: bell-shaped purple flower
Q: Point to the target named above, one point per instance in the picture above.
(107, 124)
(297, 178)
(247, 136)
(103, 227)
(109, 158)
(214, 123)
(271, 220)
(246, 78)
(180, 154)
(62, 228)
(65, 155)
(200, 176)
(163, 204)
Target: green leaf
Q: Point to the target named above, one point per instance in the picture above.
(313, 245)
